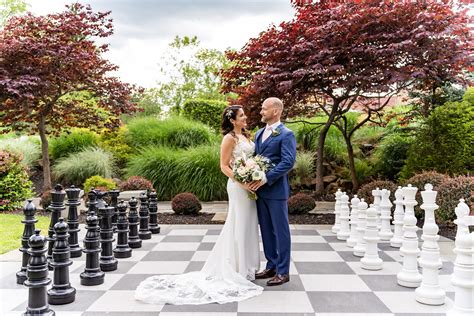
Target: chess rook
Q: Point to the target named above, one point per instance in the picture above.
(371, 259)
(153, 210)
(29, 229)
(359, 248)
(430, 292)
(133, 240)
(107, 260)
(352, 240)
(37, 281)
(56, 207)
(92, 274)
(73, 220)
(398, 214)
(409, 276)
(122, 250)
(61, 292)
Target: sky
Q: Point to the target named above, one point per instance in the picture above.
(144, 28)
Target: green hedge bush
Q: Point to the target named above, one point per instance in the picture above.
(100, 183)
(391, 154)
(68, 143)
(206, 111)
(15, 185)
(449, 193)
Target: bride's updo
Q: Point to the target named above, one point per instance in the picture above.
(230, 113)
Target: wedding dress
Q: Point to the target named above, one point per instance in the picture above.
(231, 264)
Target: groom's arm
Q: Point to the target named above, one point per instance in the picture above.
(288, 157)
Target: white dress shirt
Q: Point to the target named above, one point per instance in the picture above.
(268, 130)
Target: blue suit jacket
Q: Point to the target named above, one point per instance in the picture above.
(281, 150)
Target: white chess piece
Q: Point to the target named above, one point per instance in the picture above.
(430, 291)
(359, 248)
(352, 240)
(371, 259)
(344, 230)
(377, 194)
(335, 228)
(409, 276)
(398, 215)
(463, 274)
(385, 209)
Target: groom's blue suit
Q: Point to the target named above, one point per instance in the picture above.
(272, 202)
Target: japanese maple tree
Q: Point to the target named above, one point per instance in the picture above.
(53, 76)
(335, 54)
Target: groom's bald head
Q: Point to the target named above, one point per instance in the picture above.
(274, 103)
(271, 110)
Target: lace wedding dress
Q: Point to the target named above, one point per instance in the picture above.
(231, 265)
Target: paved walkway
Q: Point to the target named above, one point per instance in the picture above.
(326, 279)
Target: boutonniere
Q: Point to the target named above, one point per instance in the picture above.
(276, 132)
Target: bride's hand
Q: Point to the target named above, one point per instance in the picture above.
(245, 186)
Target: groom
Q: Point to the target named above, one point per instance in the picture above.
(277, 143)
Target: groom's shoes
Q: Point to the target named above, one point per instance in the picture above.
(278, 279)
(265, 274)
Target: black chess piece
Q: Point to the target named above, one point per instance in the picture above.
(56, 207)
(153, 210)
(122, 250)
(92, 274)
(133, 240)
(37, 281)
(29, 229)
(73, 220)
(62, 292)
(113, 202)
(92, 201)
(144, 232)
(107, 260)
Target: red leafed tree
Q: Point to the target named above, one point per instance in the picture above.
(49, 65)
(336, 53)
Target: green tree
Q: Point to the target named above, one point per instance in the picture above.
(195, 77)
(10, 8)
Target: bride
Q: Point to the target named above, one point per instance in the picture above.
(235, 258)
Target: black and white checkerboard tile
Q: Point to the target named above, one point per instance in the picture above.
(326, 279)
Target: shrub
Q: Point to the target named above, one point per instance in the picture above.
(444, 143)
(100, 183)
(136, 183)
(300, 203)
(76, 168)
(175, 132)
(303, 168)
(27, 146)
(116, 143)
(419, 181)
(68, 143)
(186, 203)
(362, 168)
(206, 111)
(15, 185)
(171, 171)
(365, 191)
(390, 155)
(449, 193)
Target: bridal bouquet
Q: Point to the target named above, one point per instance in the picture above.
(249, 169)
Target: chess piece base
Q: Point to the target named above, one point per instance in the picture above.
(35, 312)
(155, 230)
(76, 252)
(430, 296)
(409, 280)
(92, 278)
(109, 265)
(342, 236)
(123, 253)
(371, 264)
(135, 243)
(145, 235)
(21, 277)
(61, 297)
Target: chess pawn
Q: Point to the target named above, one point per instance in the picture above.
(37, 273)
(92, 274)
(371, 259)
(397, 239)
(377, 194)
(144, 232)
(359, 248)
(73, 220)
(430, 292)
(133, 240)
(461, 211)
(153, 210)
(92, 202)
(344, 229)
(352, 240)
(107, 260)
(463, 273)
(409, 276)
(122, 250)
(335, 228)
(385, 209)
(56, 207)
(62, 292)
(29, 229)
(113, 203)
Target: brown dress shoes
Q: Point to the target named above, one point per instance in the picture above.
(265, 274)
(278, 279)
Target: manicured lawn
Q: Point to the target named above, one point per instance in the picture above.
(11, 229)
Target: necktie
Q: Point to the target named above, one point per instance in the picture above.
(266, 133)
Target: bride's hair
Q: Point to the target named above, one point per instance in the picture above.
(230, 113)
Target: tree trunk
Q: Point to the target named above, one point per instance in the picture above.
(45, 153)
(320, 155)
(350, 153)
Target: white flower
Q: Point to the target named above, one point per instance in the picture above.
(257, 175)
(241, 171)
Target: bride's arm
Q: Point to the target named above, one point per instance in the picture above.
(227, 146)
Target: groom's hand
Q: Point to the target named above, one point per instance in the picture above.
(255, 185)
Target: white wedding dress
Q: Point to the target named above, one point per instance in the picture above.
(230, 266)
